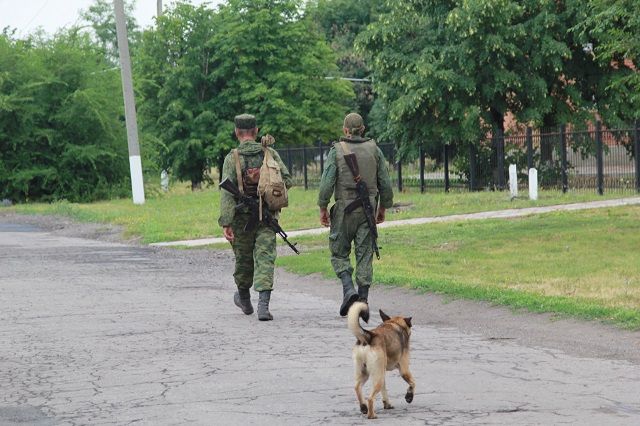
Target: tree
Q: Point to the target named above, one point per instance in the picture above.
(611, 29)
(199, 68)
(100, 16)
(448, 71)
(342, 21)
(61, 129)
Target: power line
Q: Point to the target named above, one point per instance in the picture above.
(358, 80)
(35, 16)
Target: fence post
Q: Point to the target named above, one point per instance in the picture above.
(421, 151)
(399, 167)
(636, 144)
(446, 168)
(321, 157)
(599, 157)
(529, 148)
(289, 163)
(472, 167)
(500, 152)
(563, 157)
(304, 166)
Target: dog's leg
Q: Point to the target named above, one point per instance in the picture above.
(385, 397)
(378, 384)
(408, 377)
(361, 378)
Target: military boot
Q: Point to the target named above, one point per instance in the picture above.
(242, 299)
(263, 306)
(363, 292)
(349, 295)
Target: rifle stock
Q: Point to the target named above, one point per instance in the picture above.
(352, 163)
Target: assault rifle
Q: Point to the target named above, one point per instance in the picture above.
(254, 207)
(362, 201)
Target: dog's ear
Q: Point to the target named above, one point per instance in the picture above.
(408, 321)
(384, 316)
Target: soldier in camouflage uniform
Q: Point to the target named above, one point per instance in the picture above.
(255, 250)
(346, 228)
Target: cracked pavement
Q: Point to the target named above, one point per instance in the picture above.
(99, 332)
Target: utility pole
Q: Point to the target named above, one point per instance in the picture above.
(135, 164)
(159, 8)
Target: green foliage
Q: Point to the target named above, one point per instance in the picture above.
(199, 68)
(100, 16)
(342, 21)
(449, 71)
(613, 29)
(61, 132)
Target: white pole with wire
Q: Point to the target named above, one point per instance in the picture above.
(135, 163)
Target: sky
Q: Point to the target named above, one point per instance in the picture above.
(28, 15)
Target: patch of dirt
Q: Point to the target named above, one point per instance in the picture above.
(401, 207)
(67, 227)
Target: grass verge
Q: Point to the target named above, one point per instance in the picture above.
(583, 264)
(182, 214)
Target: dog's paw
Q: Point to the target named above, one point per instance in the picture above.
(372, 416)
(409, 397)
(363, 408)
(387, 406)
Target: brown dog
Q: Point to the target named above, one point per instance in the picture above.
(384, 348)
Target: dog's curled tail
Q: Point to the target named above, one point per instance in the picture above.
(357, 310)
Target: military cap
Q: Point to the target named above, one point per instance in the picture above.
(353, 122)
(245, 121)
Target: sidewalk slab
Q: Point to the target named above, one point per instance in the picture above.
(495, 214)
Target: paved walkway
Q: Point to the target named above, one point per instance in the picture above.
(98, 333)
(496, 214)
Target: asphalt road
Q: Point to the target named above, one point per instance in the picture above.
(99, 332)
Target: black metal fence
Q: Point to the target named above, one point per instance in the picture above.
(566, 159)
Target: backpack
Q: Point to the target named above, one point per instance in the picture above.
(271, 187)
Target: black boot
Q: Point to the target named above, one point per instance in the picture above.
(349, 295)
(263, 306)
(363, 292)
(242, 299)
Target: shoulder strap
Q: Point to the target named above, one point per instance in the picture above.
(236, 155)
(345, 148)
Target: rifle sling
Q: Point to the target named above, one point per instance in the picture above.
(236, 155)
(353, 205)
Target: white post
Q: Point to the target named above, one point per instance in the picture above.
(533, 184)
(164, 180)
(513, 180)
(135, 164)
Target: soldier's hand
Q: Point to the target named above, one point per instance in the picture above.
(324, 217)
(381, 212)
(228, 233)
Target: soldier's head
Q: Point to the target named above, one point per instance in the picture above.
(245, 127)
(353, 125)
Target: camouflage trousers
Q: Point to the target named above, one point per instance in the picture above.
(255, 253)
(345, 229)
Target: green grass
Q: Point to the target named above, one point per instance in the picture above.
(182, 214)
(584, 264)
